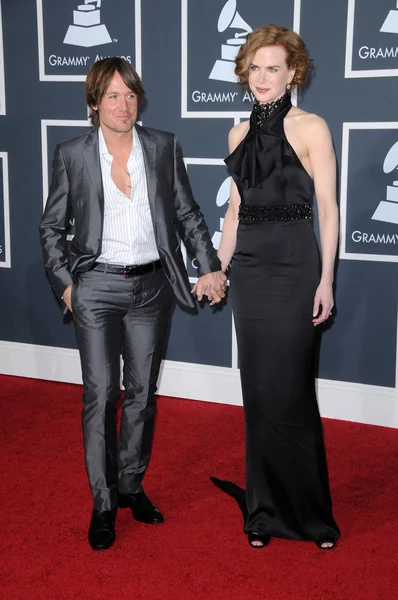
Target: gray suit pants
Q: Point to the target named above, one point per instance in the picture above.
(113, 314)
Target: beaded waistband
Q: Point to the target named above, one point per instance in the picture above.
(292, 212)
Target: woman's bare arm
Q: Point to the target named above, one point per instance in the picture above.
(323, 162)
(228, 238)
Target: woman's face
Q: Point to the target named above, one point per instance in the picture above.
(269, 74)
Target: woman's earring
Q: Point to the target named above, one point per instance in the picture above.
(288, 86)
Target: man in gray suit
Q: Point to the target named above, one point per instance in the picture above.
(127, 189)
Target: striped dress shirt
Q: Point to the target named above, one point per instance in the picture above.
(128, 237)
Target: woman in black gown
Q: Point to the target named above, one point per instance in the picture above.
(280, 291)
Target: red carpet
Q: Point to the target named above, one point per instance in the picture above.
(200, 553)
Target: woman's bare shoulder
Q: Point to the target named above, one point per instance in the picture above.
(306, 120)
(236, 134)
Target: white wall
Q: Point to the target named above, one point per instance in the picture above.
(337, 399)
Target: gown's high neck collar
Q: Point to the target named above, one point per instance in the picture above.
(264, 146)
(263, 112)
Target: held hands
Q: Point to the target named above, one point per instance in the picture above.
(323, 299)
(67, 297)
(212, 285)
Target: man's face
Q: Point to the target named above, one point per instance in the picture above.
(118, 108)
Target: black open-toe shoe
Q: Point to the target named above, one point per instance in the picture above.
(329, 541)
(262, 538)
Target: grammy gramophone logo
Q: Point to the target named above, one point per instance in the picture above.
(87, 29)
(221, 199)
(390, 24)
(223, 70)
(387, 210)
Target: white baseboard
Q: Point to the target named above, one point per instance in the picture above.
(337, 399)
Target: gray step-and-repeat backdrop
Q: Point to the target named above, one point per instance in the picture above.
(184, 50)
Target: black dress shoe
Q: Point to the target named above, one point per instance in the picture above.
(142, 508)
(101, 533)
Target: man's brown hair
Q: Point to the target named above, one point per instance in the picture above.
(99, 78)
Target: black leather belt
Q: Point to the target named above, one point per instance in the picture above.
(127, 270)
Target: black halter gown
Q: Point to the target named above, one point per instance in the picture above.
(274, 275)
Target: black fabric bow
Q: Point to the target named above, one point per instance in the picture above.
(264, 148)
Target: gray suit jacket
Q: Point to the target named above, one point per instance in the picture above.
(76, 191)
